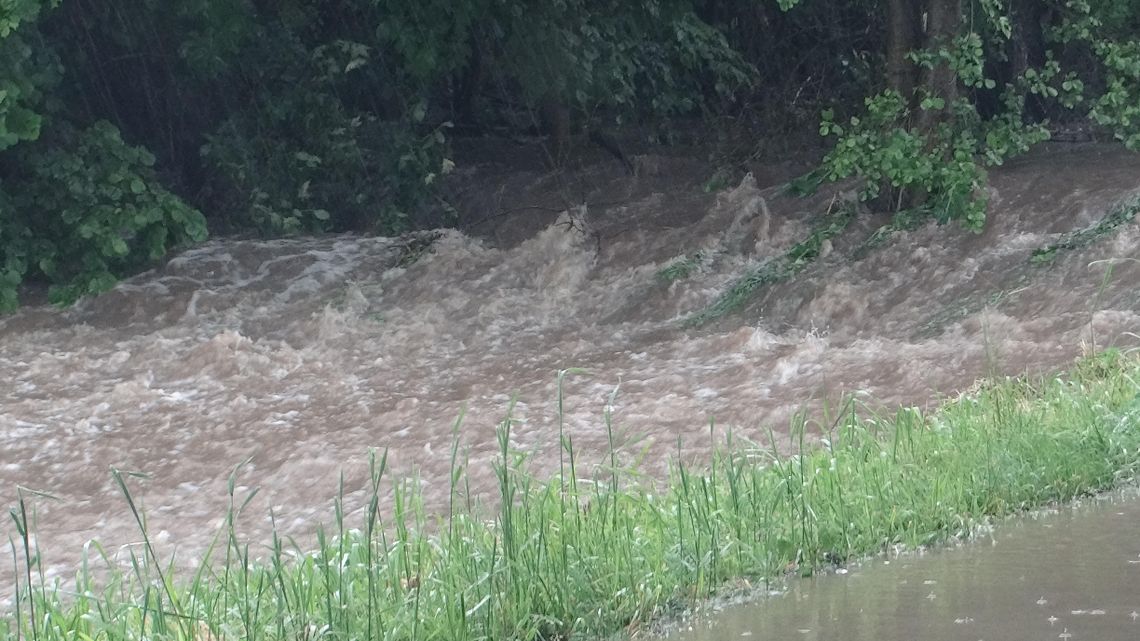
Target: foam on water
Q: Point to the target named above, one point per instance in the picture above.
(302, 354)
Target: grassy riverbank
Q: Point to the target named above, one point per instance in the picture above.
(570, 557)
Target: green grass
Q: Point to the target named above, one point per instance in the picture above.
(778, 269)
(683, 267)
(1118, 216)
(903, 220)
(591, 554)
(972, 303)
(414, 245)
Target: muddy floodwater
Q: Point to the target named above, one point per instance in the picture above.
(302, 354)
(1072, 574)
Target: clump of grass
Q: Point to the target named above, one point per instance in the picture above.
(970, 304)
(413, 246)
(719, 179)
(903, 220)
(592, 554)
(1118, 216)
(777, 269)
(683, 267)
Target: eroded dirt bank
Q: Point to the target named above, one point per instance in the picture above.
(303, 354)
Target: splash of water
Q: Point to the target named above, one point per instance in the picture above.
(302, 354)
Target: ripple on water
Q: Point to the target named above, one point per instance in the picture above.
(303, 353)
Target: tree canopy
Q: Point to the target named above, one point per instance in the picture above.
(129, 126)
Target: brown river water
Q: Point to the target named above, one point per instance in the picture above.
(1070, 574)
(303, 354)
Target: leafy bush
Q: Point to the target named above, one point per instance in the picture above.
(87, 211)
(1107, 28)
(907, 157)
(24, 71)
(893, 157)
(652, 58)
(78, 207)
(299, 159)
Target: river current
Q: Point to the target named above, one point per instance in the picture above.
(302, 354)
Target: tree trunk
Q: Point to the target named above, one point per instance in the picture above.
(470, 83)
(1027, 47)
(904, 26)
(943, 20)
(929, 25)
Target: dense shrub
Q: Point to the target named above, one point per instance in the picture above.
(78, 207)
(90, 210)
(299, 158)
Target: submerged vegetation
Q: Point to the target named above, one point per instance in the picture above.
(683, 267)
(1120, 215)
(598, 549)
(780, 268)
